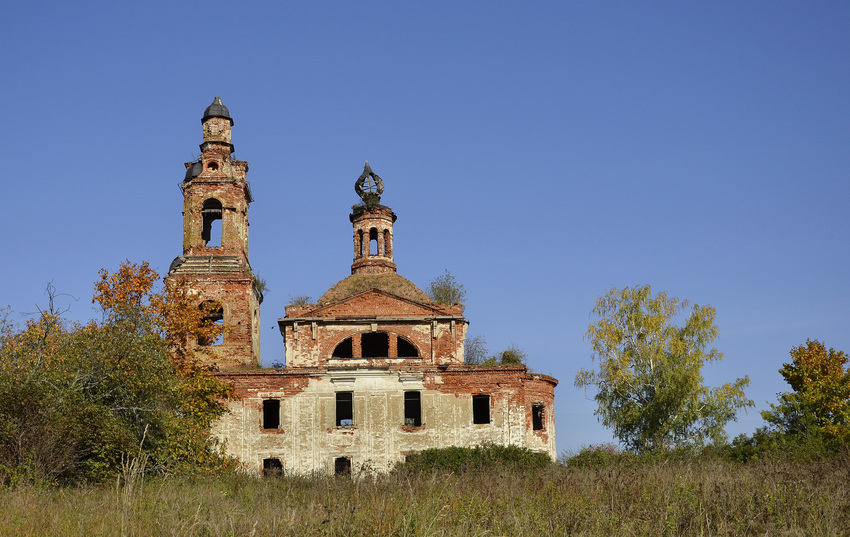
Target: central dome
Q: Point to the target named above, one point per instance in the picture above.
(390, 283)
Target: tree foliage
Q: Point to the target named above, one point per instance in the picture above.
(513, 355)
(474, 350)
(475, 353)
(446, 289)
(74, 399)
(819, 405)
(649, 377)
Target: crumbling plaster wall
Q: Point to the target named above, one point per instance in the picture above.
(308, 438)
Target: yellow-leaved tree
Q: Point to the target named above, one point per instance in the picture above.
(76, 400)
(818, 408)
(649, 372)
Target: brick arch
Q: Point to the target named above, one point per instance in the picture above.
(212, 211)
(378, 344)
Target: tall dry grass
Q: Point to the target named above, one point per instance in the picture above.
(687, 497)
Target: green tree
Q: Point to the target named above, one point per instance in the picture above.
(818, 408)
(446, 289)
(649, 377)
(513, 355)
(75, 398)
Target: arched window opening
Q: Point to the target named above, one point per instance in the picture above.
(359, 247)
(406, 349)
(373, 241)
(388, 243)
(343, 350)
(211, 232)
(375, 344)
(213, 315)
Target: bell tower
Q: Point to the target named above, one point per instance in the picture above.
(216, 195)
(373, 227)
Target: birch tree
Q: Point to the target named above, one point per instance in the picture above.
(648, 373)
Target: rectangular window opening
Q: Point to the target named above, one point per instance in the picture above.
(537, 417)
(412, 409)
(481, 409)
(271, 414)
(272, 467)
(344, 409)
(342, 466)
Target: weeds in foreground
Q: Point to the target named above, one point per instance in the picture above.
(701, 496)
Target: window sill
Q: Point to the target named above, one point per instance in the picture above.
(412, 428)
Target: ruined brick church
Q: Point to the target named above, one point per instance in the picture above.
(374, 369)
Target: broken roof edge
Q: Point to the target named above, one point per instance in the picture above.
(390, 282)
(310, 311)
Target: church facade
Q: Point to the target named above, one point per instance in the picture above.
(374, 369)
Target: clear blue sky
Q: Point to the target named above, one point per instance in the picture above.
(541, 151)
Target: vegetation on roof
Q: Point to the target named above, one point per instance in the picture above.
(358, 283)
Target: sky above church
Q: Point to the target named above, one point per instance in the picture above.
(543, 152)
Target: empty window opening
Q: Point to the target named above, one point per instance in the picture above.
(480, 409)
(342, 466)
(375, 344)
(343, 350)
(537, 417)
(344, 409)
(359, 247)
(388, 243)
(373, 241)
(213, 166)
(271, 414)
(406, 349)
(211, 233)
(213, 315)
(272, 467)
(412, 409)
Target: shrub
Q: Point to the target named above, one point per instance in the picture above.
(462, 459)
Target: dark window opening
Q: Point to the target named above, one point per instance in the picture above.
(272, 467)
(211, 232)
(213, 166)
(375, 344)
(343, 350)
(344, 409)
(412, 409)
(480, 409)
(537, 417)
(342, 466)
(388, 243)
(213, 315)
(406, 349)
(360, 243)
(271, 414)
(373, 241)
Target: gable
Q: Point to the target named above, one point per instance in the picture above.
(377, 303)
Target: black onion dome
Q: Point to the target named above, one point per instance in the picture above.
(217, 109)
